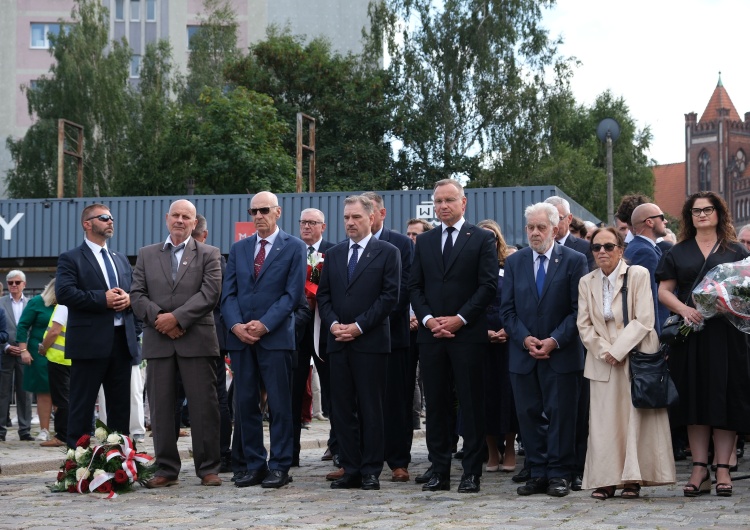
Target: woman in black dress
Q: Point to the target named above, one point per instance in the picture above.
(712, 368)
(500, 410)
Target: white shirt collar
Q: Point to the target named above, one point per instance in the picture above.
(363, 243)
(95, 247)
(271, 238)
(459, 224)
(547, 254)
(563, 239)
(169, 241)
(653, 243)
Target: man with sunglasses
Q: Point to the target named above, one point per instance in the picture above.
(13, 304)
(648, 224)
(101, 338)
(264, 282)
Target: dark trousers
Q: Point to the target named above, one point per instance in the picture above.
(59, 389)
(238, 456)
(547, 407)
(397, 410)
(87, 375)
(582, 426)
(13, 369)
(274, 367)
(300, 375)
(357, 401)
(225, 426)
(443, 363)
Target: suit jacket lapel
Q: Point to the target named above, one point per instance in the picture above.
(461, 239)
(89, 255)
(365, 259)
(187, 256)
(554, 264)
(271, 253)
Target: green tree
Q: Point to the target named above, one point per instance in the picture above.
(469, 84)
(228, 143)
(87, 86)
(345, 94)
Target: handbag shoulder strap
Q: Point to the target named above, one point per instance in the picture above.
(689, 299)
(624, 291)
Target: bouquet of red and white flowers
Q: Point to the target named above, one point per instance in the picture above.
(725, 290)
(312, 279)
(110, 468)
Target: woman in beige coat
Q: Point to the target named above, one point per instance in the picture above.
(627, 447)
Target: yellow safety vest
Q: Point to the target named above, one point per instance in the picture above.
(56, 352)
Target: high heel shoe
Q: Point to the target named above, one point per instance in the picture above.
(723, 489)
(691, 490)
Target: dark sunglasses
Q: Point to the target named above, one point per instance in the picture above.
(660, 216)
(14, 282)
(609, 247)
(708, 210)
(262, 211)
(103, 218)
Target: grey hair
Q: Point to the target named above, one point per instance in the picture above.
(361, 199)
(201, 226)
(313, 210)
(546, 208)
(746, 227)
(452, 182)
(555, 200)
(376, 199)
(15, 274)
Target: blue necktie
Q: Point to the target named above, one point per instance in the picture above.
(540, 275)
(352, 262)
(111, 274)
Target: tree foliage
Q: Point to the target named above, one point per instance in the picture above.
(346, 96)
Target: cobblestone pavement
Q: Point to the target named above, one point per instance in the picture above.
(25, 502)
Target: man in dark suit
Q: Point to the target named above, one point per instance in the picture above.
(565, 238)
(311, 227)
(648, 224)
(539, 307)
(359, 286)
(101, 339)
(453, 280)
(398, 395)
(176, 285)
(264, 282)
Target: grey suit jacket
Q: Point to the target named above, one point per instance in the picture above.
(10, 320)
(191, 298)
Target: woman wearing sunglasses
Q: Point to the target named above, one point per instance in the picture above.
(710, 369)
(627, 447)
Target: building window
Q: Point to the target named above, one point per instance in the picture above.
(151, 10)
(704, 172)
(40, 34)
(191, 31)
(135, 66)
(119, 9)
(135, 10)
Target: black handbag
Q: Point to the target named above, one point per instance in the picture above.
(670, 329)
(651, 386)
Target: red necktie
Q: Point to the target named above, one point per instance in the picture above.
(261, 257)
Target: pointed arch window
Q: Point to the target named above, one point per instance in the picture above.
(704, 171)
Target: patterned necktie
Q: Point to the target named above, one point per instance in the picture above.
(261, 257)
(111, 276)
(448, 247)
(175, 264)
(310, 250)
(541, 274)
(352, 262)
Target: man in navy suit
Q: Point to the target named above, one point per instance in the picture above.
(539, 307)
(398, 395)
(453, 280)
(648, 223)
(264, 282)
(359, 286)
(101, 338)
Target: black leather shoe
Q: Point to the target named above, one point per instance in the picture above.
(327, 456)
(577, 483)
(347, 482)
(523, 476)
(26, 438)
(425, 477)
(459, 455)
(533, 486)
(238, 475)
(275, 479)
(370, 482)
(251, 478)
(469, 484)
(337, 461)
(558, 487)
(437, 482)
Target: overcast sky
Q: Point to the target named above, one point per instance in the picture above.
(662, 56)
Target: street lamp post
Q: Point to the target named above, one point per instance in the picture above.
(608, 131)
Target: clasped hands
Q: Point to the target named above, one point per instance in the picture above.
(345, 332)
(497, 337)
(117, 299)
(444, 327)
(607, 357)
(539, 349)
(251, 332)
(167, 324)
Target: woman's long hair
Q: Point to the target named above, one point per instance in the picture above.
(724, 229)
(502, 247)
(48, 295)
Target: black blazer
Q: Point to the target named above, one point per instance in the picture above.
(366, 300)
(81, 286)
(582, 246)
(465, 288)
(400, 315)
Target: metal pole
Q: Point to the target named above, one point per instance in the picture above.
(299, 152)
(610, 183)
(60, 157)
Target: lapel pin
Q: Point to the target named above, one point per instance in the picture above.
(556, 260)
(184, 262)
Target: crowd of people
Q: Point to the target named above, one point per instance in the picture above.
(526, 346)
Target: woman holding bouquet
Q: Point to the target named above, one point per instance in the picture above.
(711, 369)
(627, 447)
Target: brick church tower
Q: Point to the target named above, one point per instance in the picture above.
(716, 153)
